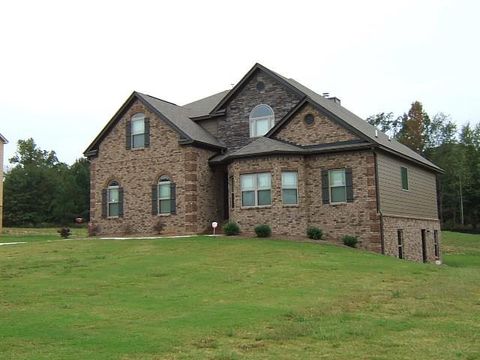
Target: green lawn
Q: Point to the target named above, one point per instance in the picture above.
(231, 298)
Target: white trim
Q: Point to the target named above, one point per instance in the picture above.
(330, 187)
(256, 188)
(253, 121)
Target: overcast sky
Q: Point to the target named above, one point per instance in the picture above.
(67, 66)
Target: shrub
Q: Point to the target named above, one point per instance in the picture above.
(64, 232)
(314, 233)
(350, 240)
(159, 227)
(263, 230)
(231, 228)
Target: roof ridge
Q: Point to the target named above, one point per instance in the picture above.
(156, 98)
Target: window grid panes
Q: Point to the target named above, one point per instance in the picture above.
(256, 189)
(290, 187)
(262, 119)
(113, 199)
(338, 189)
(138, 131)
(164, 197)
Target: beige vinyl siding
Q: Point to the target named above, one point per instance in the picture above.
(420, 200)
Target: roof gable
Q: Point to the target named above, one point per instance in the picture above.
(246, 78)
(3, 139)
(174, 115)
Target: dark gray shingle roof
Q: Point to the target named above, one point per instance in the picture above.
(359, 124)
(3, 139)
(204, 106)
(267, 146)
(179, 118)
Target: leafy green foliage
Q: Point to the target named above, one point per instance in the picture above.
(314, 233)
(231, 228)
(263, 230)
(350, 240)
(39, 189)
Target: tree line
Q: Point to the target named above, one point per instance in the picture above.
(41, 190)
(455, 150)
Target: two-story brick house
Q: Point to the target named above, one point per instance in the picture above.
(268, 151)
(3, 141)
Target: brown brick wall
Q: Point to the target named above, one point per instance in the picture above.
(357, 218)
(138, 169)
(412, 236)
(234, 129)
(291, 220)
(322, 131)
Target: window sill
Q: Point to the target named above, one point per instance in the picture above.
(137, 149)
(291, 205)
(169, 214)
(338, 203)
(407, 190)
(113, 217)
(255, 207)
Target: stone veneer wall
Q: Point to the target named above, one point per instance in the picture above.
(234, 129)
(137, 170)
(357, 218)
(322, 131)
(412, 236)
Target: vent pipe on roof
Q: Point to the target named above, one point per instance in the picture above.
(376, 133)
(325, 94)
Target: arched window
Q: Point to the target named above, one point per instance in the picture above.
(262, 119)
(163, 196)
(138, 131)
(112, 200)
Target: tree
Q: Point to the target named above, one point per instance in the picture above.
(412, 131)
(40, 189)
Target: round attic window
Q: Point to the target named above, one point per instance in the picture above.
(309, 119)
(260, 86)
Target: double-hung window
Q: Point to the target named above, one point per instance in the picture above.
(338, 187)
(290, 187)
(163, 197)
(138, 131)
(256, 189)
(113, 199)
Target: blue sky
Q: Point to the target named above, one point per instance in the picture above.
(67, 66)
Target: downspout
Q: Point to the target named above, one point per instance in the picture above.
(379, 209)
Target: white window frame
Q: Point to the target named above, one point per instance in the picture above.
(286, 187)
(164, 181)
(109, 202)
(330, 186)
(137, 118)
(253, 121)
(256, 188)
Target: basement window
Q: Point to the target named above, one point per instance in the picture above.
(400, 243)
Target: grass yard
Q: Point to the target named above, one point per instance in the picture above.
(224, 298)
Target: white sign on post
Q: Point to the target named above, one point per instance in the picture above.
(214, 226)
